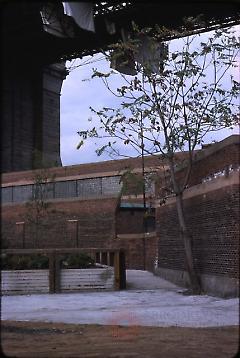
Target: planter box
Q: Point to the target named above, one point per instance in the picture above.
(87, 279)
(71, 280)
(24, 281)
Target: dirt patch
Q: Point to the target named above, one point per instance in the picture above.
(35, 339)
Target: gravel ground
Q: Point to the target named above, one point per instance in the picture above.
(162, 306)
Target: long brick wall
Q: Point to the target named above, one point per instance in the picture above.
(226, 158)
(111, 167)
(79, 223)
(76, 223)
(217, 159)
(211, 205)
(213, 220)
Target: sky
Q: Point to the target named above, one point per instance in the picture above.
(79, 93)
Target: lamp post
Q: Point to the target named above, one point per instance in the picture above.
(144, 192)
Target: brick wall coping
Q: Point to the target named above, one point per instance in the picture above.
(75, 177)
(215, 147)
(204, 188)
(233, 139)
(207, 152)
(90, 169)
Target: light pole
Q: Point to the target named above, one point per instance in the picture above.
(144, 191)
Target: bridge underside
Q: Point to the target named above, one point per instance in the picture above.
(32, 81)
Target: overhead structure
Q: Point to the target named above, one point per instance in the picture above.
(24, 26)
(38, 35)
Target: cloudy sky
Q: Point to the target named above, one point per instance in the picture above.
(78, 94)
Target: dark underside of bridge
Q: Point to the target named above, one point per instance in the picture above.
(24, 36)
(30, 87)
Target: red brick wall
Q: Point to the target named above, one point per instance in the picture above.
(134, 250)
(215, 162)
(219, 157)
(129, 221)
(213, 219)
(100, 167)
(92, 224)
(95, 224)
(91, 168)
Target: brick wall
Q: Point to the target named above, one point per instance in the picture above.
(83, 169)
(213, 219)
(214, 162)
(129, 221)
(78, 223)
(135, 246)
(95, 225)
(219, 158)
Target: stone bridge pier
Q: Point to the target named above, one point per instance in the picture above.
(31, 116)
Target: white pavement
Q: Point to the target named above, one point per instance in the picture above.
(151, 301)
(145, 280)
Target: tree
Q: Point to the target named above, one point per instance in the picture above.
(38, 209)
(174, 100)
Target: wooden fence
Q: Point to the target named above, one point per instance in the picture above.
(55, 279)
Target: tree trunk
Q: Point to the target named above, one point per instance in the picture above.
(187, 239)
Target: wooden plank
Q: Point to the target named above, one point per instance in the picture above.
(24, 274)
(64, 280)
(87, 284)
(17, 279)
(87, 287)
(56, 251)
(24, 283)
(11, 293)
(25, 289)
(86, 272)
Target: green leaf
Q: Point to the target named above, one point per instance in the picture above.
(80, 144)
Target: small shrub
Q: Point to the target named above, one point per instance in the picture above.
(23, 262)
(80, 261)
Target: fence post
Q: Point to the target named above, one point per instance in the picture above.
(108, 258)
(51, 273)
(119, 270)
(122, 270)
(54, 273)
(57, 273)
